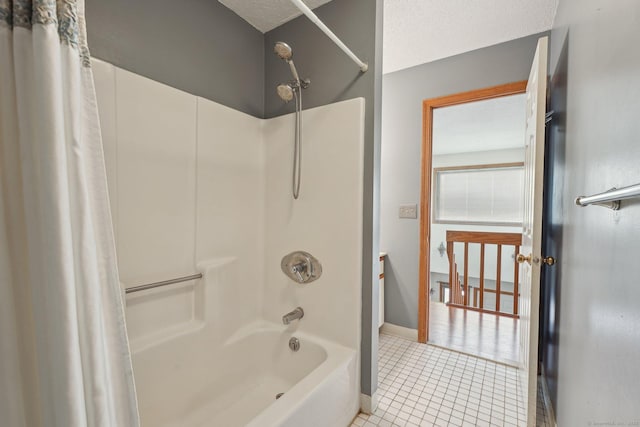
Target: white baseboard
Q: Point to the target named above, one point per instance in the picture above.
(399, 331)
(368, 404)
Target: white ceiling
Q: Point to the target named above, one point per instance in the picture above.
(265, 15)
(494, 124)
(420, 31)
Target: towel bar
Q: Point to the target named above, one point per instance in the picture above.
(610, 199)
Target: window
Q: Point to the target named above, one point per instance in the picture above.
(487, 194)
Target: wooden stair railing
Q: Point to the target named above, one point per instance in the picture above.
(460, 293)
(455, 290)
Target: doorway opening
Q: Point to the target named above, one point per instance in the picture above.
(471, 221)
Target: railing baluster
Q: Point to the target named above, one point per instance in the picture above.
(450, 256)
(498, 274)
(516, 273)
(452, 281)
(481, 276)
(466, 274)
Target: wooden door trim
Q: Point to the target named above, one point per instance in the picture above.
(428, 105)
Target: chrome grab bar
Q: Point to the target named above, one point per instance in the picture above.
(610, 199)
(162, 283)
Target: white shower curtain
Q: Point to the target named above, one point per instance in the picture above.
(64, 355)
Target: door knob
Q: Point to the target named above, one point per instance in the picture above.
(549, 260)
(521, 259)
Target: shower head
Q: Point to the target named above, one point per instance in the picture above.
(283, 50)
(286, 92)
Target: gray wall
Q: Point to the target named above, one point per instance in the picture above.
(402, 96)
(599, 327)
(198, 46)
(334, 77)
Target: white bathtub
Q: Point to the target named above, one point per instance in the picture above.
(187, 381)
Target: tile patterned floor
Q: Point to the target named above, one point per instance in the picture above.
(423, 385)
(542, 415)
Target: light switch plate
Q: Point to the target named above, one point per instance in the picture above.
(409, 211)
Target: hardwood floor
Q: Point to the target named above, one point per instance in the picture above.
(480, 334)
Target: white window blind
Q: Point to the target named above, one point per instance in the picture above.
(478, 195)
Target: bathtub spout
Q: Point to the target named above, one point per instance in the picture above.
(298, 313)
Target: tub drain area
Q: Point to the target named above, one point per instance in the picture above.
(294, 344)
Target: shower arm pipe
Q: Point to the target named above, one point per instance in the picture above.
(312, 16)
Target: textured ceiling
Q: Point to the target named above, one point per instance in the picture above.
(419, 31)
(265, 15)
(494, 124)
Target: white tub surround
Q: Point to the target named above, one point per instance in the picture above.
(207, 189)
(204, 372)
(325, 221)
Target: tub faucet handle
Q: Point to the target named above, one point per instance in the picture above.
(298, 269)
(301, 267)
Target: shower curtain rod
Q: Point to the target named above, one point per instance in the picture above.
(312, 16)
